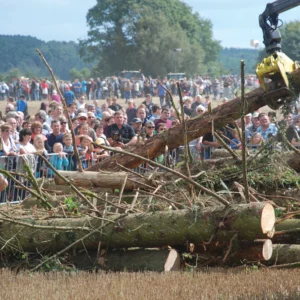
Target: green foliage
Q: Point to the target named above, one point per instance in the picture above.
(80, 74)
(231, 60)
(72, 205)
(19, 57)
(142, 34)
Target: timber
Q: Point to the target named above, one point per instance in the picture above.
(113, 180)
(198, 126)
(158, 229)
(157, 260)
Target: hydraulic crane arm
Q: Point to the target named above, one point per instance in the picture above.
(268, 22)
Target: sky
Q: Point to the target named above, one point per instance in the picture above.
(235, 22)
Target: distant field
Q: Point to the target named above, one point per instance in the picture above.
(213, 284)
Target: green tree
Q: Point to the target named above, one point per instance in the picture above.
(142, 34)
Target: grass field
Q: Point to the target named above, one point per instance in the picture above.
(213, 284)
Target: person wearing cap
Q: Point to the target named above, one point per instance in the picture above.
(69, 95)
(137, 125)
(255, 123)
(100, 152)
(120, 134)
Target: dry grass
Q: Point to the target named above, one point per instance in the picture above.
(214, 284)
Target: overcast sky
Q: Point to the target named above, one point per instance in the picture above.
(235, 22)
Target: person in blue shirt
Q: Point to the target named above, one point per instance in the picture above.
(69, 96)
(266, 129)
(161, 93)
(58, 160)
(22, 105)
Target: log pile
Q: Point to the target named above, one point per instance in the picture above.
(154, 227)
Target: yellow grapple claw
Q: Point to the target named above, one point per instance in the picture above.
(275, 66)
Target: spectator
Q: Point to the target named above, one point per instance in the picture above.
(150, 129)
(187, 108)
(69, 150)
(119, 134)
(72, 110)
(39, 145)
(148, 104)
(255, 141)
(58, 160)
(64, 128)
(21, 105)
(115, 106)
(156, 112)
(55, 137)
(130, 111)
(91, 118)
(56, 115)
(37, 129)
(56, 97)
(255, 123)
(81, 102)
(137, 125)
(141, 114)
(266, 129)
(14, 132)
(164, 118)
(100, 152)
(7, 147)
(25, 146)
(41, 117)
(235, 142)
(84, 149)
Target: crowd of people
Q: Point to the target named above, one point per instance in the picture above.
(107, 122)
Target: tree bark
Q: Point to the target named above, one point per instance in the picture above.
(196, 127)
(251, 221)
(111, 180)
(285, 254)
(156, 260)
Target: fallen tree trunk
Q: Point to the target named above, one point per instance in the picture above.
(156, 260)
(113, 180)
(221, 158)
(196, 127)
(250, 221)
(285, 254)
(287, 232)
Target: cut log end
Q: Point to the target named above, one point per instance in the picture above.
(267, 250)
(173, 262)
(268, 218)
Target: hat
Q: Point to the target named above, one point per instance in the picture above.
(255, 115)
(54, 92)
(100, 141)
(82, 115)
(136, 120)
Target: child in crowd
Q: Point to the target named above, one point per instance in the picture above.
(256, 141)
(235, 141)
(69, 150)
(39, 145)
(85, 149)
(58, 159)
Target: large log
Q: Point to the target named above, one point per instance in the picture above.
(173, 228)
(196, 127)
(113, 180)
(158, 260)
